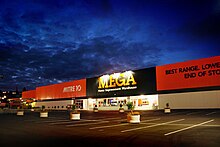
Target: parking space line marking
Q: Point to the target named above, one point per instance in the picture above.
(89, 120)
(177, 113)
(111, 118)
(183, 125)
(190, 127)
(60, 123)
(70, 121)
(152, 125)
(120, 124)
(211, 125)
(42, 120)
(75, 125)
(211, 113)
(193, 113)
(48, 121)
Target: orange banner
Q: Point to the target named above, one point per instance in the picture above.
(29, 94)
(191, 74)
(70, 89)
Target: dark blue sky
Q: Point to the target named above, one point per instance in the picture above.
(50, 41)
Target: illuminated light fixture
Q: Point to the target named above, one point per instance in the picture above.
(128, 73)
(116, 75)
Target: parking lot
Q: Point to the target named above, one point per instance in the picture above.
(110, 128)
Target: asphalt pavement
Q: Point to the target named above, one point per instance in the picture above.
(184, 128)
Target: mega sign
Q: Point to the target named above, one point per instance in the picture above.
(116, 82)
(138, 82)
(190, 74)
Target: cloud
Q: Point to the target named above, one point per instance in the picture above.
(46, 42)
(97, 56)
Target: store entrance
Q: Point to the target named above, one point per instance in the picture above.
(111, 103)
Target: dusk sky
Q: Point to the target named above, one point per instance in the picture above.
(45, 42)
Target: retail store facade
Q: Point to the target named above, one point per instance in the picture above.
(186, 85)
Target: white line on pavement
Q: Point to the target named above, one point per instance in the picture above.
(211, 113)
(82, 120)
(193, 113)
(111, 118)
(183, 125)
(61, 120)
(121, 124)
(71, 121)
(152, 125)
(85, 124)
(177, 113)
(189, 127)
(48, 118)
(42, 120)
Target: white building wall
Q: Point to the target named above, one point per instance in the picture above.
(190, 100)
(85, 104)
(53, 105)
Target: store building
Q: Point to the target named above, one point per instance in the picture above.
(60, 96)
(187, 85)
(190, 85)
(138, 87)
(28, 98)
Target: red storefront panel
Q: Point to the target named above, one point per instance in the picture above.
(191, 74)
(29, 94)
(70, 89)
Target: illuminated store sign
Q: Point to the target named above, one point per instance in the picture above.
(72, 88)
(117, 82)
(191, 74)
(117, 79)
(123, 84)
